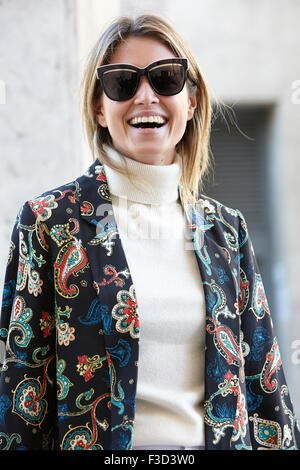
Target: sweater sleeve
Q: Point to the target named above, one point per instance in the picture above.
(27, 381)
(272, 422)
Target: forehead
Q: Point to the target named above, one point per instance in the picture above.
(141, 51)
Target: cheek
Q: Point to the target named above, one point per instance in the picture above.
(179, 108)
(179, 113)
(181, 117)
(116, 117)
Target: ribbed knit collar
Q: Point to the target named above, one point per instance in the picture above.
(149, 184)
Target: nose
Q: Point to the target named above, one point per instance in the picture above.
(145, 93)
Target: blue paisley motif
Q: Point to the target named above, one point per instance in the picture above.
(5, 404)
(253, 399)
(62, 411)
(97, 313)
(121, 438)
(216, 370)
(260, 341)
(8, 293)
(210, 302)
(224, 411)
(121, 351)
(221, 274)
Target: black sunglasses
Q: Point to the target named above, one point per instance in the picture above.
(121, 81)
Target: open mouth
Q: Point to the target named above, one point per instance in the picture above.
(145, 123)
(148, 125)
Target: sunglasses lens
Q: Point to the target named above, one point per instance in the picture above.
(120, 84)
(167, 79)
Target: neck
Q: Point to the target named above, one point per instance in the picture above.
(145, 183)
(150, 159)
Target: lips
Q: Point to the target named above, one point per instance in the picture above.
(147, 124)
(148, 130)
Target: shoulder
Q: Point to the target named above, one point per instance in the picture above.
(60, 203)
(218, 210)
(224, 223)
(51, 204)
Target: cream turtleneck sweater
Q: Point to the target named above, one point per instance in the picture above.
(170, 296)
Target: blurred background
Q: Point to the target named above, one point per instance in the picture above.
(248, 51)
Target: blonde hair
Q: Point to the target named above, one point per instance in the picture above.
(194, 147)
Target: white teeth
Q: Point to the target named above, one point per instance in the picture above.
(137, 120)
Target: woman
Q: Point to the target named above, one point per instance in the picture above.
(134, 313)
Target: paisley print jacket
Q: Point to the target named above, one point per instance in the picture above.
(71, 327)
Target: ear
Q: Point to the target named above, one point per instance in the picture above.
(99, 114)
(193, 101)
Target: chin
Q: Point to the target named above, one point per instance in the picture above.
(150, 149)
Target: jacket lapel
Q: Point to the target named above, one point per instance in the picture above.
(217, 255)
(116, 294)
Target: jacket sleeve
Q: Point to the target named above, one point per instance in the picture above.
(272, 422)
(27, 382)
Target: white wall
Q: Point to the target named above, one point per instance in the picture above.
(39, 119)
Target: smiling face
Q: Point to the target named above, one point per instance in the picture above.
(154, 146)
